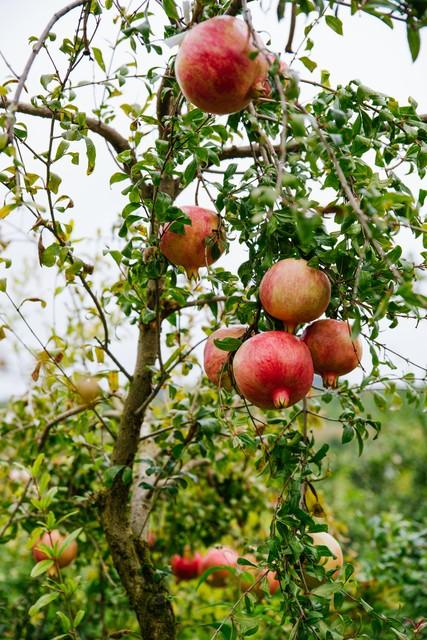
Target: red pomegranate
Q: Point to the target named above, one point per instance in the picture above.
(54, 539)
(215, 359)
(293, 292)
(186, 567)
(215, 67)
(273, 582)
(216, 557)
(273, 369)
(199, 246)
(333, 351)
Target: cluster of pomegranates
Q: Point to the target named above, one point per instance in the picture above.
(188, 567)
(276, 368)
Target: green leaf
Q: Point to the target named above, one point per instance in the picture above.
(228, 344)
(62, 148)
(35, 469)
(118, 177)
(79, 617)
(41, 567)
(65, 620)
(310, 64)
(414, 41)
(91, 155)
(112, 472)
(43, 601)
(170, 9)
(335, 24)
(97, 54)
(68, 540)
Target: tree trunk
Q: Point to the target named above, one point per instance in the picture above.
(147, 595)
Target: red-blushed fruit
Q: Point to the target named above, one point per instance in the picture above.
(273, 369)
(199, 246)
(259, 577)
(329, 563)
(215, 359)
(186, 567)
(151, 539)
(215, 67)
(273, 583)
(215, 557)
(55, 539)
(294, 293)
(333, 351)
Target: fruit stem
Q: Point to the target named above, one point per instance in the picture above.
(290, 328)
(280, 398)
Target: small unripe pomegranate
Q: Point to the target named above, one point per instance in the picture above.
(88, 389)
(333, 351)
(186, 567)
(215, 359)
(55, 539)
(215, 67)
(216, 557)
(294, 293)
(324, 539)
(200, 245)
(273, 369)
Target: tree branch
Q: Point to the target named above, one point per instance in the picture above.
(228, 153)
(117, 141)
(37, 47)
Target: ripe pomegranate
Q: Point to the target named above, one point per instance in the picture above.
(215, 68)
(54, 539)
(293, 292)
(215, 557)
(329, 563)
(273, 369)
(186, 567)
(215, 359)
(199, 246)
(333, 351)
(88, 389)
(151, 539)
(273, 583)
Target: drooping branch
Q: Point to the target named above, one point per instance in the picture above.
(37, 47)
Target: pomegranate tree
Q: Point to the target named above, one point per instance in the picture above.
(217, 557)
(294, 293)
(199, 246)
(186, 567)
(54, 540)
(219, 66)
(273, 369)
(215, 359)
(332, 348)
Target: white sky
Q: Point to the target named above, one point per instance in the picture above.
(369, 51)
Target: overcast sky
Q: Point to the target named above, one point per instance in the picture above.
(369, 51)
